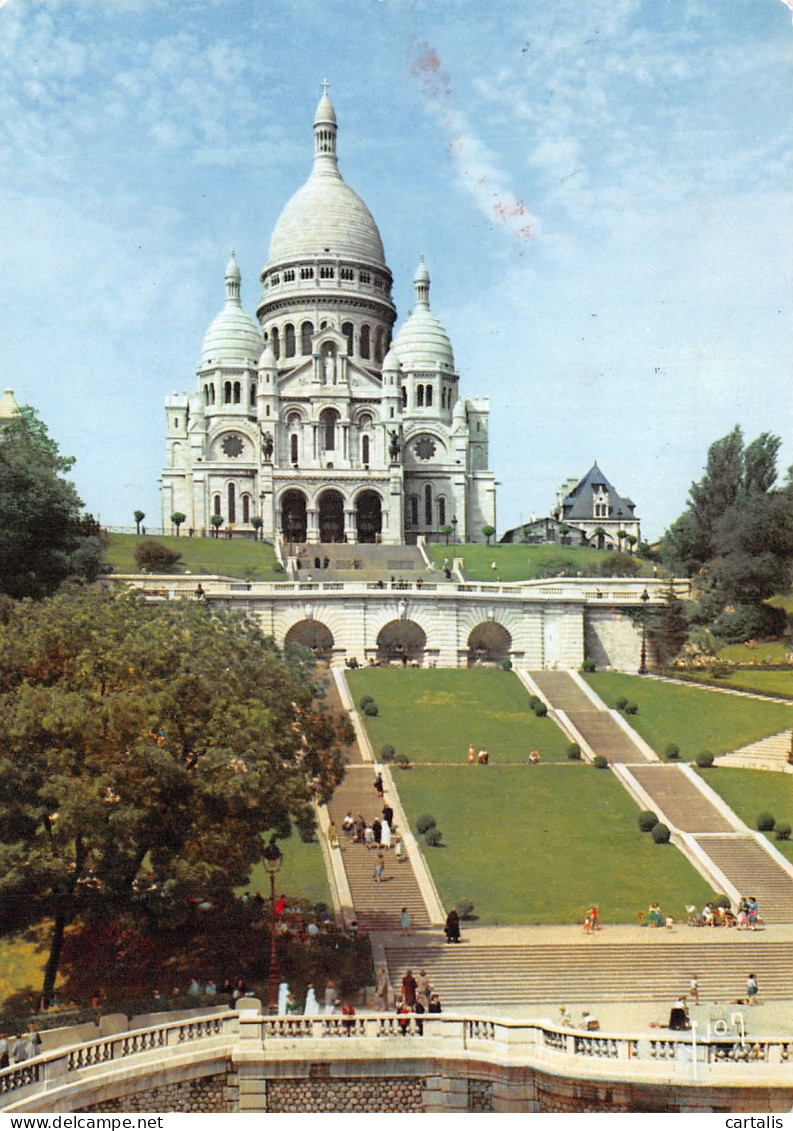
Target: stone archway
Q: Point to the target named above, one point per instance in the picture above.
(314, 635)
(331, 516)
(488, 643)
(401, 640)
(293, 516)
(369, 516)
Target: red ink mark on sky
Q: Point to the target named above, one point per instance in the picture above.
(428, 67)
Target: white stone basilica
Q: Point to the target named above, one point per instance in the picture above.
(314, 421)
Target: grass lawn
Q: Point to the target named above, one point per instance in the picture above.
(519, 562)
(22, 962)
(692, 717)
(771, 651)
(772, 682)
(750, 792)
(235, 557)
(302, 873)
(539, 844)
(433, 715)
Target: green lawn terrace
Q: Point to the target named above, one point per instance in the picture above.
(541, 844)
(751, 792)
(302, 874)
(693, 718)
(229, 557)
(434, 715)
(519, 562)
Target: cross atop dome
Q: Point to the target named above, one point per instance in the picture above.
(325, 85)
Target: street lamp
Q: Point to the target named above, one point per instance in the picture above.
(645, 597)
(273, 858)
(454, 530)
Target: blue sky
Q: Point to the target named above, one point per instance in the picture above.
(602, 190)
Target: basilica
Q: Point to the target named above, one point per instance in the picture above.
(314, 423)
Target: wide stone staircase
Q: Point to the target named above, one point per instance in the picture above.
(377, 906)
(685, 806)
(753, 871)
(766, 754)
(589, 971)
(351, 561)
(596, 726)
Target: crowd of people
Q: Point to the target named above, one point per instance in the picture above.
(746, 918)
(378, 835)
(15, 1050)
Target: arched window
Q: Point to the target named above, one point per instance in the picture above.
(347, 330)
(404, 397)
(276, 343)
(378, 345)
(365, 449)
(441, 511)
(327, 422)
(365, 341)
(414, 510)
(428, 505)
(419, 396)
(429, 396)
(227, 392)
(216, 504)
(206, 394)
(293, 448)
(232, 504)
(306, 330)
(253, 395)
(289, 340)
(246, 508)
(237, 392)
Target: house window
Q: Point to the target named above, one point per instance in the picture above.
(428, 505)
(419, 396)
(293, 448)
(289, 276)
(365, 449)
(289, 340)
(246, 508)
(216, 504)
(276, 343)
(429, 396)
(306, 272)
(237, 392)
(365, 341)
(414, 510)
(327, 421)
(441, 511)
(232, 504)
(306, 331)
(347, 330)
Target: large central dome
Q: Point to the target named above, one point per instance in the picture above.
(325, 216)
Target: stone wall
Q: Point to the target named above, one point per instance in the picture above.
(205, 1094)
(358, 1094)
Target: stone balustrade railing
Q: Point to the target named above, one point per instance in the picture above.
(729, 1058)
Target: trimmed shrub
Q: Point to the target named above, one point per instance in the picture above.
(621, 703)
(424, 823)
(661, 834)
(589, 666)
(364, 700)
(705, 759)
(647, 820)
(574, 752)
(765, 822)
(155, 557)
(402, 761)
(672, 751)
(533, 701)
(782, 832)
(506, 665)
(464, 908)
(631, 709)
(540, 710)
(387, 753)
(434, 837)
(600, 762)
(371, 709)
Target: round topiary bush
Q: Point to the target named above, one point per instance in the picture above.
(600, 762)
(424, 823)
(782, 832)
(434, 837)
(387, 753)
(364, 700)
(540, 710)
(464, 908)
(402, 761)
(765, 822)
(647, 820)
(533, 701)
(506, 665)
(705, 759)
(621, 703)
(574, 752)
(672, 751)
(371, 709)
(589, 666)
(631, 709)
(661, 834)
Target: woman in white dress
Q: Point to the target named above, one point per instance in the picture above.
(385, 835)
(283, 994)
(312, 1005)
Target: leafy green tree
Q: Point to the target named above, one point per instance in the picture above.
(216, 521)
(45, 537)
(139, 517)
(257, 522)
(152, 556)
(177, 518)
(488, 532)
(620, 564)
(145, 752)
(447, 530)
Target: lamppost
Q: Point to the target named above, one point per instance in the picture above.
(645, 597)
(454, 530)
(273, 858)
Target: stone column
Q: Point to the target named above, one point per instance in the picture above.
(312, 526)
(351, 524)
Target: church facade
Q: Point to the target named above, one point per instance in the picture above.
(314, 423)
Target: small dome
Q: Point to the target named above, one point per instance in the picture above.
(422, 342)
(233, 336)
(268, 359)
(325, 112)
(391, 360)
(459, 411)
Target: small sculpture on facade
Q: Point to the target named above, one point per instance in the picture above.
(267, 445)
(394, 446)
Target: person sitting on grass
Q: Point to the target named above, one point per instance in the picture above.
(483, 758)
(534, 757)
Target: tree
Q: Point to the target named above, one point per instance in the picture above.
(155, 557)
(216, 521)
(177, 518)
(145, 751)
(447, 530)
(488, 532)
(45, 537)
(257, 522)
(139, 517)
(619, 564)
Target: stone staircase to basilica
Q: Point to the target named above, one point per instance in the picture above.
(358, 561)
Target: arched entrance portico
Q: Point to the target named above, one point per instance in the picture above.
(368, 516)
(313, 635)
(293, 516)
(488, 643)
(331, 517)
(402, 640)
